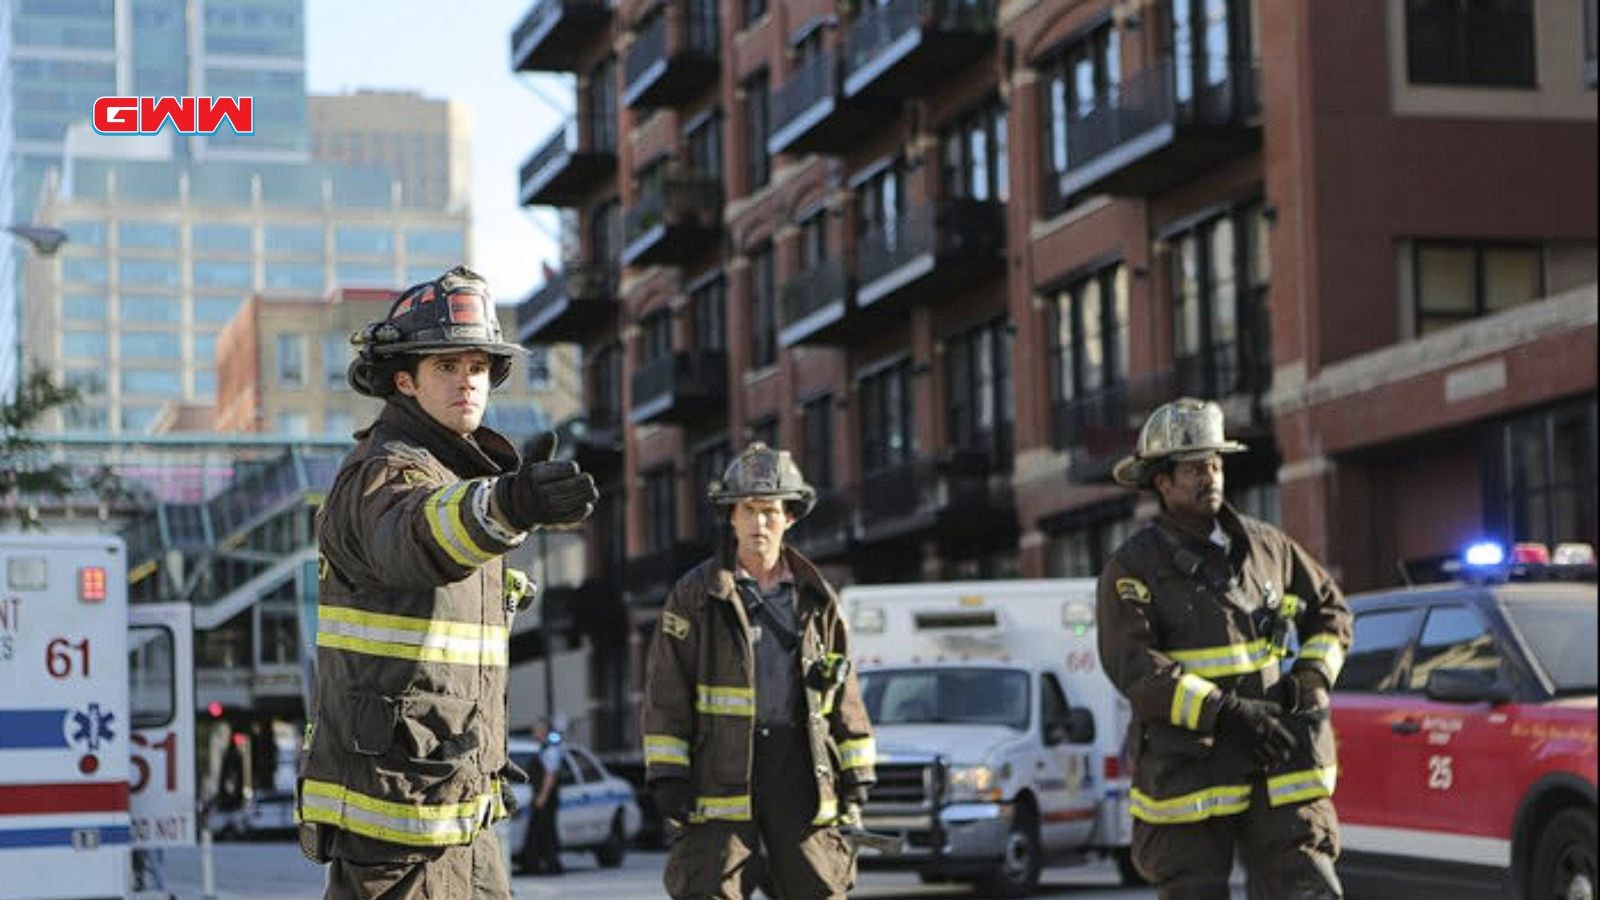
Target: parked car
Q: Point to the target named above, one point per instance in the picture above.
(598, 811)
(1466, 723)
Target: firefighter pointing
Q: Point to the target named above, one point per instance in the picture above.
(1195, 613)
(754, 730)
(405, 752)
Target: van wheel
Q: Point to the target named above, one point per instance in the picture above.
(1127, 871)
(609, 855)
(1564, 864)
(1018, 872)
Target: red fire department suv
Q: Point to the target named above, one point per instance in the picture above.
(1466, 723)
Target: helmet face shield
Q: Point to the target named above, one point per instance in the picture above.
(451, 314)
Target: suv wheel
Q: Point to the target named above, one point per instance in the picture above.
(1564, 864)
(609, 855)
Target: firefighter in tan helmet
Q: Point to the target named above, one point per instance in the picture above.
(1195, 614)
(754, 730)
(404, 756)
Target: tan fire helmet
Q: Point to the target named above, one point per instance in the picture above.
(449, 314)
(1184, 429)
(760, 471)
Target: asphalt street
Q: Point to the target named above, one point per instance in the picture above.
(276, 871)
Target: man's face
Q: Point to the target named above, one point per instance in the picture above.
(759, 525)
(1194, 487)
(453, 388)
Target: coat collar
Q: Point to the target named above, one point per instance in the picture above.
(484, 452)
(808, 580)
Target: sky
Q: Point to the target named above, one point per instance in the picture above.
(456, 51)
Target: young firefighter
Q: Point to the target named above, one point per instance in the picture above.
(406, 745)
(754, 731)
(1194, 611)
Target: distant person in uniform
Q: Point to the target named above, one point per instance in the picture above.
(541, 854)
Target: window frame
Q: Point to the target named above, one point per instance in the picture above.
(966, 394)
(1480, 305)
(756, 111)
(661, 507)
(1460, 56)
(816, 442)
(284, 377)
(879, 421)
(763, 270)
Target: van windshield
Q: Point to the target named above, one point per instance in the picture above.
(966, 696)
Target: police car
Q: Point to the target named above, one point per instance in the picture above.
(598, 811)
(1466, 722)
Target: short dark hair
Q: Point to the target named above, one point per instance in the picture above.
(384, 371)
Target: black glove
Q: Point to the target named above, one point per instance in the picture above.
(674, 798)
(1298, 694)
(1258, 723)
(545, 492)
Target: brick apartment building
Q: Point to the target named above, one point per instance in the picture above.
(951, 252)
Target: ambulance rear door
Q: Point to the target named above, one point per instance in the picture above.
(161, 688)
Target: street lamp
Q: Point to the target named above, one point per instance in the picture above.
(42, 238)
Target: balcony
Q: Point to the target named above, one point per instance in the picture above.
(1145, 139)
(962, 497)
(575, 305)
(827, 533)
(811, 114)
(907, 48)
(673, 221)
(648, 577)
(933, 249)
(668, 67)
(595, 440)
(680, 388)
(816, 307)
(571, 164)
(553, 35)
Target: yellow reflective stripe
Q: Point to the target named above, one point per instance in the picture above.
(449, 529)
(725, 701)
(1198, 806)
(1305, 784)
(858, 754)
(728, 809)
(1232, 659)
(827, 812)
(1291, 606)
(1188, 699)
(405, 637)
(1325, 649)
(417, 825)
(664, 748)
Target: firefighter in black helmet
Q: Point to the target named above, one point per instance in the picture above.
(1230, 752)
(404, 759)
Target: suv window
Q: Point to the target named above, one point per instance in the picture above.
(1454, 637)
(566, 776)
(587, 767)
(1377, 651)
(1053, 704)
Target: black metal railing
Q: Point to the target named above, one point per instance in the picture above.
(816, 288)
(817, 80)
(880, 26)
(959, 480)
(659, 569)
(702, 374)
(956, 227)
(690, 198)
(649, 47)
(828, 526)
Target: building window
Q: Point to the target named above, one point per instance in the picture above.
(704, 139)
(1089, 355)
(91, 270)
(605, 398)
(86, 344)
(708, 305)
(156, 272)
(765, 430)
(353, 240)
(84, 306)
(446, 244)
(1591, 26)
(291, 360)
(978, 382)
(660, 508)
(1080, 552)
(1459, 282)
(1219, 282)
(297, 424)
(166, 382)
(886, 418)
(880, 205)
(605, 233)
(296, 240)
(1470, 42)
(814, 241)
(151, 235)
(656, 329)
(757, 123)
(1081, 83)
(975, 154)
(763, 309)
(1546, 489)
(537, 366)
(150, 345)
(816, 451)
(600, 105)
(1211, 39)
(709, 464)
(220, 238)
(136, 308)
(215, 310)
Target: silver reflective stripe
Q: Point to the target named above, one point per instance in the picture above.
(400, 823)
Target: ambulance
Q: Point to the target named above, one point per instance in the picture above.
(96, 720)
(1001, 743)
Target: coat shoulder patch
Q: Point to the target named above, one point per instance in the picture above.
(675, 625)
(1133, 590)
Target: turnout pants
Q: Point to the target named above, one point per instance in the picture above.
(363, 869)
(1288, 852)
(717, 860)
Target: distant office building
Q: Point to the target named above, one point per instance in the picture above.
(161, 256)
(427, 144)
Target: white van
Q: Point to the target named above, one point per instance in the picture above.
(1000, 739)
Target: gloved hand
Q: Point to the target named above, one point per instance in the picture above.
(674, 798)
(1302, 692)
(1258, 723)
(851, 800)
(545, 492)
